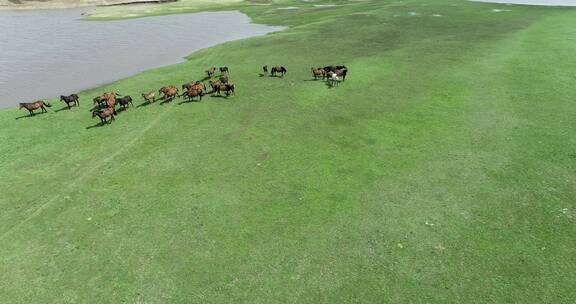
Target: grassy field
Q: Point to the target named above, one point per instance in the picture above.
(442, 171)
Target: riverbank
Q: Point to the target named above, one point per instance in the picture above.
(442, 171)
(192, 5)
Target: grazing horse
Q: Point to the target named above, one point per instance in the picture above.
(210, 72)
(31, 106)
(104, 114)
(192, 93)
(318, 73)
(224, 70)
(149, 96)
(265, 69)
(278, 69)
(70, 99)
(229, 88)
(124, 101)
(223, 79)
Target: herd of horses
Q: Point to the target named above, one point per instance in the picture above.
(105, 104)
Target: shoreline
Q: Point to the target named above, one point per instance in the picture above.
(177, 61)
(8, 6)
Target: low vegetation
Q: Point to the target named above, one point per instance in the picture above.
(443, 170)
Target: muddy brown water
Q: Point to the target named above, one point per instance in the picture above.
(48, 53)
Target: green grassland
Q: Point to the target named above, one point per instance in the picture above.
(442, 171)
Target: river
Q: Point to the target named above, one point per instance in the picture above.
(47, 53)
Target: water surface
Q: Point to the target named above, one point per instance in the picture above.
(47, 53)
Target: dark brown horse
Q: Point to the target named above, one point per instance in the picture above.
(124, 101)
(104, 114)
(31, 106)
(278, 70)
(223, 79)
(265, 69)
(191, 94)
(229, 88)
(224, 70)
(72, 99)
(210, 72)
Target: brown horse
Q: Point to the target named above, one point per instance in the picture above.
(318, 73)
(223, 79)
(171, 93)
(100, 100)
(229, 88)
(278, 70)
(31, 106)
(104, 114)
(149, 97)
(72, 99)
(224, 70)
(166, 89)
(210, 72)
(199, 86)
(215, 84)
(191, 94)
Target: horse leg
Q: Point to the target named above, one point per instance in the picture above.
(31, 112)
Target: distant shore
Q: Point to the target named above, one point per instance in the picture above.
(59, 4)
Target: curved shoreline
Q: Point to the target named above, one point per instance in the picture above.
(7, 5)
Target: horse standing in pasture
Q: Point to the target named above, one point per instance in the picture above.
(105, 98)
(149, 97)
(318, 73)
(278, 70)
(31, 106)
(210, 72)
(223, 79)
(333, 79)
(104, 114)
(72, 99)
(224, 70)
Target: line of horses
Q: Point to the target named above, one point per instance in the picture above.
(105, 104)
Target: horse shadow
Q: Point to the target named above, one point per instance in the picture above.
(166, 101)
(206, 78)
(63, 108)
(29, 115)
(144, 104)
(97, 125)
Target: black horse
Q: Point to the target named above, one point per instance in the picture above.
(124, 101)
(278, 70)
(224, 70)
(72, 99)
